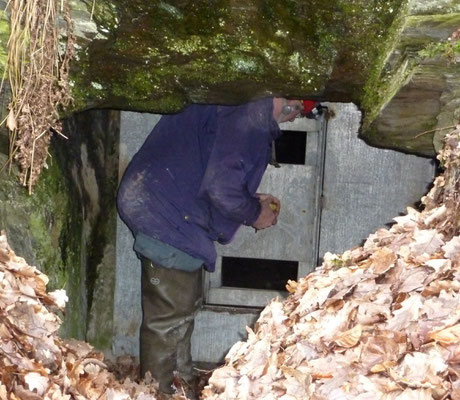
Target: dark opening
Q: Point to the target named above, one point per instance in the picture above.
(256, 273)
(290, 147)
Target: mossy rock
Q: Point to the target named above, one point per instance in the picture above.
(44, 229)
(404, 106)
(158, 56)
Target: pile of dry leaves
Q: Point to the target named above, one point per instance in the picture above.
(381, 321)
(34, 362)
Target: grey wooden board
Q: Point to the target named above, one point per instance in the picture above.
(217, 331)
(134, 128)
(364, 187)
(289, 239)
(241, 296)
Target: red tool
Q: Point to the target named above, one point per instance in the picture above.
(312, 109)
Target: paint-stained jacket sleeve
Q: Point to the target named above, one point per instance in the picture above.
(238, 144)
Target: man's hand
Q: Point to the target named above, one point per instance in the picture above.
(275, 203)
(270, 209)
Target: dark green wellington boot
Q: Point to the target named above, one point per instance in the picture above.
(170, 299)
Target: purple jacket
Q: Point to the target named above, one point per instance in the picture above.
(194, 179)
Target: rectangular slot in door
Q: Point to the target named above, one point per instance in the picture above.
(290, 148)
(257, 273)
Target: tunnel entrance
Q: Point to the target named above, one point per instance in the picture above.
(338, 192)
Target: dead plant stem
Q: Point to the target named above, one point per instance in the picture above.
(433, 130)
(32, 160)
(92, 10)
(37, 76)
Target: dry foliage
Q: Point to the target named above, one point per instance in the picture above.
(38, 77)
(378, 322)
(34, 362)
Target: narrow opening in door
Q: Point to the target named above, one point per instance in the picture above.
(257, 273)
(290, 148)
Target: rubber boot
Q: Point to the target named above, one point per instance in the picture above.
(170, 299)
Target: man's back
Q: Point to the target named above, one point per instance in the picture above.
(194, 179)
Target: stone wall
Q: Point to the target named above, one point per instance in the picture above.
(158, 56)
(90, 162)
(67, 227)
(414, 97)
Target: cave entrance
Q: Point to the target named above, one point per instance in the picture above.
(333, 197)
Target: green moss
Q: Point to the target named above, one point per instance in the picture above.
(433, 22)
(46, 254)
(382, 83)
(432, 7)
(387, 78)
(340, 262)
(100, 323)
(423, 146)
(86, 93)
(44, 229)
(447, 49)
(199, 46)
(194, 51)
(188, 46)
(56, 235)
(105, 14)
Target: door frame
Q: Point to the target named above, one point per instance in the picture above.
(214, 292)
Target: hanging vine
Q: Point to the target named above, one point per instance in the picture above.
(38, 76)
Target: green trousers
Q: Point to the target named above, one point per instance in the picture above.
(170, 300)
